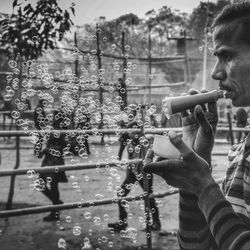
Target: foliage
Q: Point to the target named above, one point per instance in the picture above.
(202, 16)
(161, 25)
(31, 30)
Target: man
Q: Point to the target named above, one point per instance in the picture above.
(210, 218)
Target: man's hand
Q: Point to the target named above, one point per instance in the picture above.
(191, 173)
(199, 127)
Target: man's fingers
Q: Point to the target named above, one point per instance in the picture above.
(149, 157)
(180, 145)
(202, 120)
(212, 115)
(193, 91)
(184, 114)
(212, 107)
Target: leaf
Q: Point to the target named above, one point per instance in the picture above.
(66, 14)
(14, 4)
(73, 10)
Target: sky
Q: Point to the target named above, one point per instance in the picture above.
(87, 11)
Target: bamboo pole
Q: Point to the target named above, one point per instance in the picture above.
(99, 79)
(12, 179)
(22, 133)
(79, 205)
(61, 168)
(146, 189)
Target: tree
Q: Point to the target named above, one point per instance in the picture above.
(29, 31)
(203, 15)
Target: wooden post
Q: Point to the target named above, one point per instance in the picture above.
(149, 66)
(12, 178)
(230, 127)
(146, 189)
(187, 69)
(122, 80)
(124, 57)
(99, 80)
(76, 62)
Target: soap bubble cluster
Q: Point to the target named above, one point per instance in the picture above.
(76, 97)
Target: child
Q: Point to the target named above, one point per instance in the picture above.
(53, 155)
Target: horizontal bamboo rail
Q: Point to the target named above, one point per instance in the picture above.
(91, 203)
(60, 168)
(105, 131)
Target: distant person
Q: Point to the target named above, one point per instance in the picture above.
(133, 175)
(39, 123)
(27, 104)
(122, 92)
(53, 155)
(85, 124)
(124, 137)
(241, 122)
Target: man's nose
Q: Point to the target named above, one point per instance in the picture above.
(218, 72)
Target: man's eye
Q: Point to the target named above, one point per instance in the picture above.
(227, 58)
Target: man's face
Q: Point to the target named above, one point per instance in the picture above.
(232, 68)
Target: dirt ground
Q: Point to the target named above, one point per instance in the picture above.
(77, 226)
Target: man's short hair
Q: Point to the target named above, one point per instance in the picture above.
(237, 12)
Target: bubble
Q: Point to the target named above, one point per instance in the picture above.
(61, 243)
(39, 184)
(93, 51)
(7, 97)
(130, 216)
(15, 114)
(97, 221)
(87, 215)
(90, 232)
(116, 67)
(82, 152)
(68, 219)
(110, 244)
(99, 196)
(137, 149)
(87, 244)
(127, 47)
(106, 217)
(75, 185)
(122, 90)
(12, 64)
(9, 78)
(30, 173)
(16, 71)
(124, 203)
(35, 39)
(77, 230)
(29, 63)
(104, 239)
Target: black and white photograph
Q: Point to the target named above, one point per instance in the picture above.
(124, 125)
